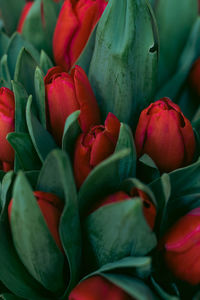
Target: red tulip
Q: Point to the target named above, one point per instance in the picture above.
(51, 207)
(166, 135)
(182, 248)
(75, 23)
(93, 147)
(66, 93)
(24, 14)
(98, 288)
(149, 209)
(194, 78)
(7, 125)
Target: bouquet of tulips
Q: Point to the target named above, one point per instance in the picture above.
(99, 149)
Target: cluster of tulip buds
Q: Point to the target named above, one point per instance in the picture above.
(99, 150)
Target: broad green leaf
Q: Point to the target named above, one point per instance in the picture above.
(40, 95)
(115, 231)
(4, 40)
(6, 188)
(10, 13)
(40, 23)
(34, 244)
(15, 45)
(56, 177)
(125, 56)
(25, 151)
(4, 71)
(125, 140)
(102, 180)
(175, 20)
(71, 132)
(45, 62)
(38, 133)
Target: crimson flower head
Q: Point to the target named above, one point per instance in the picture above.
(66, 93)
(166, 135)
(93, 147)
(96, 288)
(75, 23)
(182, 248)
(7, 125)
(51, 207)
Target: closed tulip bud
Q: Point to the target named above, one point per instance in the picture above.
(166, 135)
(194, 78)
(7, 125)
(24, 14)
(51, 207)
(93, 147)
(66, 93)
(182, 248)
(96, 288)
(75, 23)
(149, 209)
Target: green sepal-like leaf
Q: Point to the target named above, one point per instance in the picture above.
(147, 171)
(25, 151)
(35, 245)
(13, 273)
(38, 133)
(45, 62)
(56, 177)
(14, 47)
(102, 180)
(177, 29)
(4, 41)
(133, 286)
(125, 56)
(25, 71)
(10, 13)
(115, 231)
(40, 23)
(125, 140)
(4, 71)
(190, 52)
(137, 266)
(40, 95)
(71, 132)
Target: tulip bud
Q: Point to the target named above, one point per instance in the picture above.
(24, 13)
(7, 125)
(66, 93)
(93, 147)
(194, 78)
(149, 209)
(182, 248)
(166, 135)
(96, 288)
(75, 23)
(51, 207)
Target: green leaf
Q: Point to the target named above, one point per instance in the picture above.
(25, 151)
(115, 231)
(25, 71)
(14, 47)
(45, 62)
(4, 40)
(38, 133)
(164, 295)
(10, 13)
(8, 296)
(102, 180)
(32, 177)
(133, 286)
(71, 132)
(173, 33)
(4, 71)
(13, 273)
(40, 23)
(56, 177)
(40, 95)
(125, 56)
(34, 244)
(147, 171)
(125, 141)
